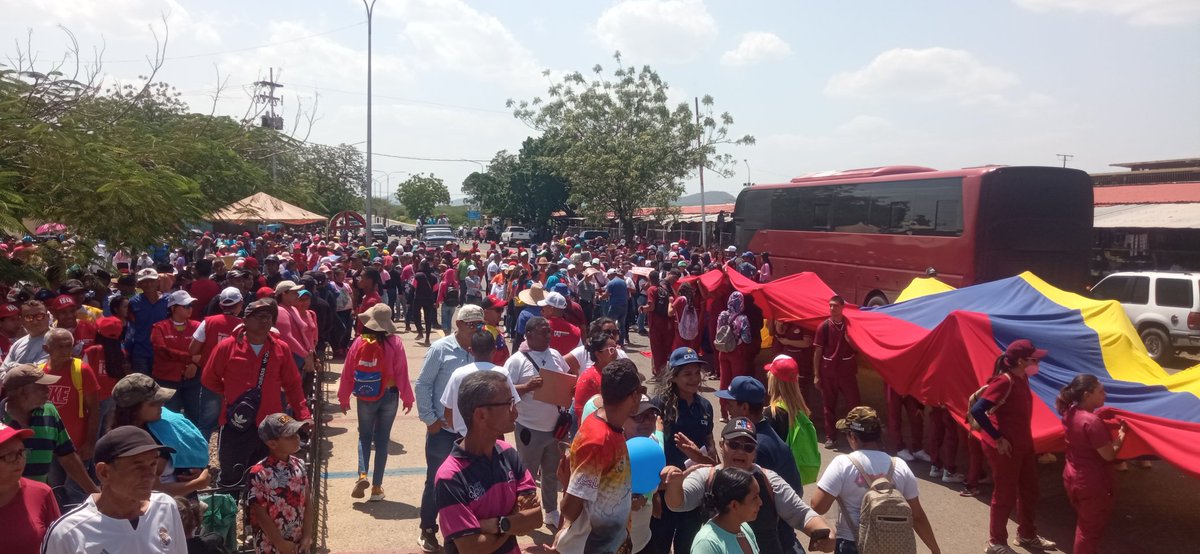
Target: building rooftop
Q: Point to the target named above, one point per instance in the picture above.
(1152, 193)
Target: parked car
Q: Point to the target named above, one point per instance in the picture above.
(378, 231)
(515, 233)
(438, 239)
(1163, 306)
(593, 234)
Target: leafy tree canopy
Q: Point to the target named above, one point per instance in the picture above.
(421, 193)
(526, 187)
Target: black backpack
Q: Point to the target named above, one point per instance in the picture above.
(453, 297)
(662, 301)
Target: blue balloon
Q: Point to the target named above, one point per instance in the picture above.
(646, 461)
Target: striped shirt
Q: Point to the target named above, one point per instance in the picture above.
(48, 441)
(471, 488)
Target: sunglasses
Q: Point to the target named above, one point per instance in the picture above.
(744, 446)
(34, 317)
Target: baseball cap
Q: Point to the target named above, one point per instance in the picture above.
(611, 271)
(563, 289)
(63, 302)
(7, 433)
(72, 286)
(287, 286)
(645, 405)
(26, 374)
(230, 296)
(744, 388)
(109, 327)
(490, 303)
(147, 274)
(862, 419)
(683, 356)
(180, 298)
(1023, 348)
(554, 300)
(275, 426)
(261, 304)
(785, 368)
(747, 254)
(135, 388)
(126, 440)
(9, 310)
(731, 249)
(740, 427)
(264, 292)
(469, 313)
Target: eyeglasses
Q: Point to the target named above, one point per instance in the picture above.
(512, 403)
(13, 457)
(744, 446)
(34, 317)
(612, 332)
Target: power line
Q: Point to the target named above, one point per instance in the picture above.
(246, 49)
(401, 99)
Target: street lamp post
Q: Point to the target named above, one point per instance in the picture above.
(747, 171)
(370, 6)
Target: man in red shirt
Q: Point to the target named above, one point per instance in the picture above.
(234, 367)
(203, 289)
(76, 397)
(65, 311)
(564, 337)
(10, 327)
(837, 367)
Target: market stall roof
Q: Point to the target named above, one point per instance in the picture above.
(1158, 193)
(262, 207)
(1147, 216)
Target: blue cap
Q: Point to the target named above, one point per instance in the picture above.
(747, 254)
(562, 289)
(746, 389)
(683, 356)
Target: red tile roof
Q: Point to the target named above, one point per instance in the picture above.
(693, 210)
(1166, 193)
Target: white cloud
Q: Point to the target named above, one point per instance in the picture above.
(657, 30)
(861, 125)
(755, 47)
(1138, 12)
(930, 74)
(122, 16)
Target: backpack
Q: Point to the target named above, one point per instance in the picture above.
(76, 379)
(452, 294)
(971, 400)
(662, 301)
(885, 524)
(368, 372)
(689, 323)
(726, 340)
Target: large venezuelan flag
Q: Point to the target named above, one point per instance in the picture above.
(940, 345)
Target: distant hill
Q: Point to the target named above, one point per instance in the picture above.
(710, 198)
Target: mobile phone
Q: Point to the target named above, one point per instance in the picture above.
(818, 535)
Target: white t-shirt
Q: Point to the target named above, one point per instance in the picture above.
(534, 414)
(580, 354)
(842, 480)
(85, 529)
(450, 394)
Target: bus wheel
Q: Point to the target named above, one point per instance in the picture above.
(876, 300)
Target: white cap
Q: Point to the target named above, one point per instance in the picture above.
(612, 271)
(570, 266)
(731, 248)
(554, 300)
(147, 274)
(230, 296)
(180, 298)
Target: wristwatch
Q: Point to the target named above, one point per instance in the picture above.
(503, 524)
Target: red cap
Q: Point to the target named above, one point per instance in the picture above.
(109, 327)
(1023, 348)
(492, 302)
(7, 433)
(9, 310)
(265, 292)
(784, 368)
(250, 262)
(63, 302)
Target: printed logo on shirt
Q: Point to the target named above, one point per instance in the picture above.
(164, 536)
(59, 395)
(475, 490)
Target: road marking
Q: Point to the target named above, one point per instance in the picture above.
(393, 472)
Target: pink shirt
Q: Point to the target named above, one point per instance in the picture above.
(397, 367)
(291, 326)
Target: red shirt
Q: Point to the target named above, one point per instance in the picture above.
(93, 357)
(586, 387)
(1014, 417)
(368, 300)
(5, 345)
(835, 347)
(233, 369)
(216, 329)
(171, 342)
(69, 403)
(1085, 433)
(28, 516)
(85, 334)
(564, 337)
(203, 289)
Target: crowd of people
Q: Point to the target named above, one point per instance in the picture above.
(117, 377)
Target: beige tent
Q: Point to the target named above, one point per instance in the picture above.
(263, 207)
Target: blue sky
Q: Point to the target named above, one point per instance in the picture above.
(821, 85)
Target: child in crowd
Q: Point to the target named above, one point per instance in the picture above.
(278, 494)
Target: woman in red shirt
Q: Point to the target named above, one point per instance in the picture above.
(1091, 451)
(602, 350)
(174, 365)
(368, 284)
(27, 507)
(108, 359)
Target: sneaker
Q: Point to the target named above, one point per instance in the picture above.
(905, 455)
(829, 444)
(935, 472)
(999, 549)
(1036, 543)
(551, 519)
(429, 542)
(969, 492)
(360, 488)
(948, 477)
(923, 456)
(376, 494)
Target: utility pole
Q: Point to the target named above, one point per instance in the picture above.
(270, 121)
(703, 202)
(370, 6)
(1065, 157)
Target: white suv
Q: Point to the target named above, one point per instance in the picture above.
(1163, 306)
(515, 233)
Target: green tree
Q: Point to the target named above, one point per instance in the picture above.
(623, 146)
(525, 187)
(420, 194)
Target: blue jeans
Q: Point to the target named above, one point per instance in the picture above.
(641, 316)
(447, 318)
(106, 412)
(437, 449)
(618, 313)
(186, 399)
(375, 420)
(140, 364)
(843, 546)
(210, 408)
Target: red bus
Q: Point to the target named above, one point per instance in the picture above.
(868, 232)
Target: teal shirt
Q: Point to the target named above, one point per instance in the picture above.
(714, 540)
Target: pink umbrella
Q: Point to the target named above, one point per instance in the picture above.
(48, 228)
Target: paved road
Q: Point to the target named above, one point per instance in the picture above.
(1157, 510)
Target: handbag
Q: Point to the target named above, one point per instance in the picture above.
(242, 414)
